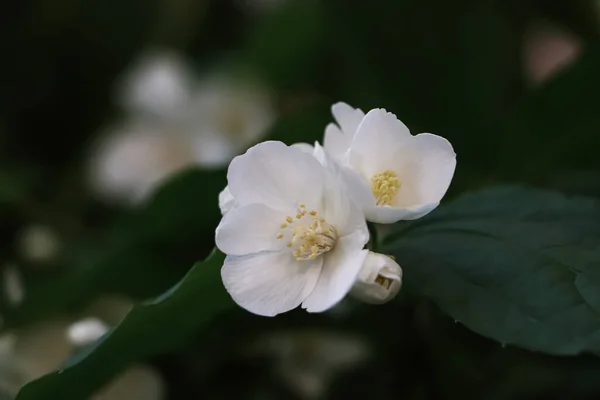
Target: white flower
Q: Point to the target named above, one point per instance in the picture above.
(338, 138)
(227, 201)
(133, 159)
(379, 279)
(294, 238)
(395, 175)
(175, 122)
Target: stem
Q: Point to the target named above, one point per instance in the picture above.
(373, 244)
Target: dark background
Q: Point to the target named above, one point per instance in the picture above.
(467, 70)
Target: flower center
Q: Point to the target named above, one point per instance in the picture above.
(309, 234)
(385, 186)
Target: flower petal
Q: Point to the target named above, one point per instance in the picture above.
(276, 175)
(340, 269)
(336, 142)
(269, 283)
(347, 117)
(377, 141)
(389, 215)
(433, 168)
(249, 229)
(305, 147)
(226, 201)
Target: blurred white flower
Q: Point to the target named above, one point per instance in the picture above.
(86, 331)
(134, 158)
(392, 174)
(160, 83)
(547, 49)
(379, 279)
(11, 378)
(38, 243)
(14, 290)
(173, 122)
(138, 382)
(308, 360)
(294, 238)
(42, 347)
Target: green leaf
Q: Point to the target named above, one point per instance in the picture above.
(520, 266)
(152, 328)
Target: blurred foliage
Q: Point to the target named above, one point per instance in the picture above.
(452, 68)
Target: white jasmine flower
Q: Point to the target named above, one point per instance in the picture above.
(338, 137)
(294, 239)
(395, 175)
(226, 199)
(379, 279)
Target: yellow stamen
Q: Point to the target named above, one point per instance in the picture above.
(385, 186)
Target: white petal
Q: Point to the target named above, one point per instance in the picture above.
(335, 141)
(305, 147)
(433, 168)
(347, 117)
(340, 269)
(249, 229)
(389, 215)
(342, 212)
(226, 201)
(277, 175)
(377, 141)
(269, 283)
(379, 280)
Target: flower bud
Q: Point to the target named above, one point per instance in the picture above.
(379, 280)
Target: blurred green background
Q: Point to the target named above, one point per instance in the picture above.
(117, 121)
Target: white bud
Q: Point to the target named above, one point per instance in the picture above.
(379, 280)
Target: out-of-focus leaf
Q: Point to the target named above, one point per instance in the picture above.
(516, 265)
(149, 329)
(145, 252)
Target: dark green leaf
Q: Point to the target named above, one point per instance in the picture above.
(149, 329)
(520, 266)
